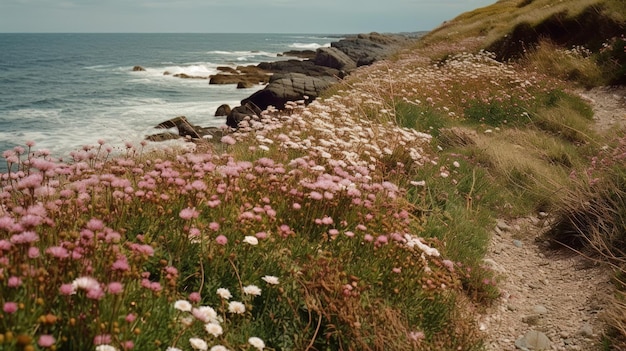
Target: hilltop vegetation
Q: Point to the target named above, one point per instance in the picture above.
(357, 222)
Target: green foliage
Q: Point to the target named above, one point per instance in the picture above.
(423, 118)
(496, 112)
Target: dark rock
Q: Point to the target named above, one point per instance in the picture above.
(223, 110)
(138, 69)
(245, 75)
(185, 130)
(186, 76)
(304, 54)
(296, 66)
(365, 49)
(227, 69)
(182, 124)
(245, 85)
(238, 113)
(334, 58)
(290, 87)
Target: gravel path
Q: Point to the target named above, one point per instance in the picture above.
(559, 294)
(551, 300)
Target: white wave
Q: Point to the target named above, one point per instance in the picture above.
(243, 53)
(200, 69)
(309, 46)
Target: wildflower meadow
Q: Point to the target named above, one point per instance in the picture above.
(345, 224)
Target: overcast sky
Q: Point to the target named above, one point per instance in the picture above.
(230, 16)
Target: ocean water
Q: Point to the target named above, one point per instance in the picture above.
(64, 91)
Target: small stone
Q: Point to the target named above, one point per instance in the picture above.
(543, 214)
(533, 319)
(533, 340)
(511, 308)
(517, 243)
(586, 330)
(503, 226)
(540, 309)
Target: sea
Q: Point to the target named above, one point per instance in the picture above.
(66, 91)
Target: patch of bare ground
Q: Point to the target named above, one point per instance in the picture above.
(551, 300)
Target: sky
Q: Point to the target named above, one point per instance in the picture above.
(229, 16)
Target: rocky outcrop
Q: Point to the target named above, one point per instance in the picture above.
(296, 79)
(304, 54)
(138, 69)
(223, 110)
(238, 113)
(290, 87)
(185, 130)
(334, 58)
(365, 49)
(306, 67)
(242, 76)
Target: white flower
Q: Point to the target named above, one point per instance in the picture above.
(456, 164)
(251, 240)
(173, 349)
(214, 329)
(418, 182)
(198, 344)
(205, 313)
(257, 343)
(270, 279)
(236, 307)
(105, 347)
(182, 305)
(218, 348)
(86, 283)
(252, 290)
(224, 293)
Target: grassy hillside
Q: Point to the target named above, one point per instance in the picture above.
(357, 222)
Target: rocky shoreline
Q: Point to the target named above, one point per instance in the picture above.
(303, 77)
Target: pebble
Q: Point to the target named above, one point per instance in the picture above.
(517, 243)
(539, 309)
(533, 340)
(586, 330)
(503, 226)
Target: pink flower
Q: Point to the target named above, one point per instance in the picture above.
(349, 234)
(121, 264)
(67, 289)
(24, 238)
(131, 317)
(102, 339)
(95, 225)
(58, 252)
(316, 196)
(227, 139)
(261, 235)
(214, 226)
(195, 297)
(296, 206)
(14, 282)
(10, 307)
(368, 238)
(128, 345)
(5, 245)
(188, 213)
(33, 252)
(382, 239)
(222, 240)
(46, 340)
(115, 288)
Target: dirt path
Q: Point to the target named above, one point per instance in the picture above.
(554, 297)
